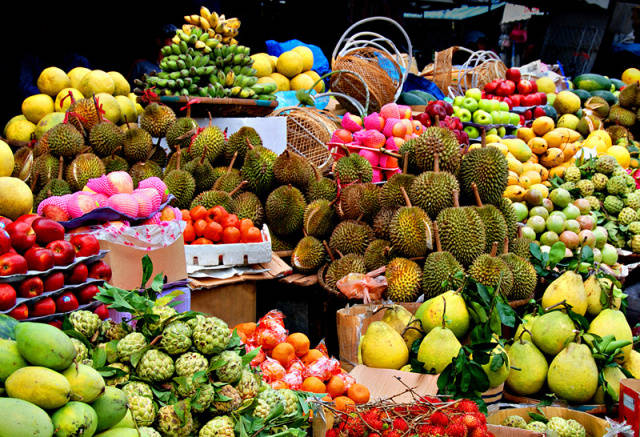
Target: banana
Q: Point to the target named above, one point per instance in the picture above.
(200, 45)
(230, 77)
(218, 37)
(233, 41)
(235, 90)
(204, 12)
(187, 28)
(204, 23)
(187, 18)
(219, 27)
(195, 19)
(176, 39)
(212, 43)
(204, 37)
(213, 19)
(233, 23)
(247, 93)
(227, 40)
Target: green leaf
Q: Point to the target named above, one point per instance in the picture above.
(481, 380)
(158, 282)
(246, 359)
(557, 252)
(147, 270)
(496, 362)
(538, 417)
(99, 358)
(465, 380)
(484, 294)
(494, 322)
(535, 251)
(507, 314)
(586, 255)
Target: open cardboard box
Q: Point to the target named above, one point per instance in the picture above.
(594, 426)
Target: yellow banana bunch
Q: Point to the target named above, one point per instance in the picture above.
(217, 26)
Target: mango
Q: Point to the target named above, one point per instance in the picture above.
(10, 359)
(75, 419)
(86, 383)
(44, 345)
(44, 387)
(26, 419)
(111, 407)
(518, 148)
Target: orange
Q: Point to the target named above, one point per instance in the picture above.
(311, 356)
(327, 398)
(344, 403)
(284, 353)
(336, 386)
(186, 215)
(248, 328)
(277, 385)
(300, 343)
(359, 393)
(313, 385)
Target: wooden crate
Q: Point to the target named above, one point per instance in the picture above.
(594, 426)
(233, 303)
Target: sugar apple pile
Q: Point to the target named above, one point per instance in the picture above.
(183, 375)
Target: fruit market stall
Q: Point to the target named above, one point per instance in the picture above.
(193, 255)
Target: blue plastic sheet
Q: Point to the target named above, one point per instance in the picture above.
(288, 98)
(415, 82)
(320, 61)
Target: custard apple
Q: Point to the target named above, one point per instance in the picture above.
(85, 322)
(248, 385)
(114, 331)
(559, 425)
(155, 366)
(635, 244)
(537, 427)
(515, 422)
(176, 338)
(142, 410)
(606, 164)
(617, 185)
(262, 409)
(627, 216)
(118, 380)
(211, 336)
(145, 431)
(613, 204)
(231, 402)
(231, 371)
(575, 428)
(272, 397)
(202, 398)
(572, 174)
(221, 426)
(189, 363)
(619, 171)
(164, 312)
(599, 181)
(586, 187)
(633, 199)
(569, 186)
(634, 228)
(137, 388)
(82, 353)
(171, 425)
(130, 344)
(594, 202)
(192, 323)
(290, 400)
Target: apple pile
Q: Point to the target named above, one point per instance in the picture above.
(443, 111)
(217, 226)
(514, 90)
(473, 108)
(39, 270)
(376, 133)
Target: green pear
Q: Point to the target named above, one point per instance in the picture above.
(497, 377)
(527, 323)
(438, 348)
(405, 324)
(612, 322)
(632, 364)
(528, 368)
(612, 375)
(383, 347)
(573, 373)
(551, 331)
(457, 318)
(567, 287)
(593, 290)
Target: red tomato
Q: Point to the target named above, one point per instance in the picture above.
(218, 213)
(231, 235)
(198, 213)
(213, 231)
(202, 241)
(245, 225)
(253, 235)
(231, 220)
(199, 226)
(186, 215)
(189, 233)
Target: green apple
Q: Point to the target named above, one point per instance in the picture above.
(482, 117)
(560, 197)
(555, 223)
(457, 101)
(551, 97)
(472, 131)
(609, 255)
(539, 211)
(470, 104)
(514, 119)
(537, 223)
(571, 211)
(528, 232)
(502, 131)
(549, 238)
(492, 131)
(503, 106)
(463, 114)
(520, 210)
(474, 93)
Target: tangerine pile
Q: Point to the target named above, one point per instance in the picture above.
(216, 225)
(287, 361)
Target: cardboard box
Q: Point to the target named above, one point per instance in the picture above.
(204, 255)
(126, 264)
(629, 406)
(233, 303)
(593, 425)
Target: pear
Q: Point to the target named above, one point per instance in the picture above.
(440, 346)
(593, 290)
(551, 331)
(383, 347)
(573, 373)
(632, 364)
(497, 377)
(612, 322)
(457, 315)
(567, 287)
(612, 375)
(526, 325)
(401, 319)
(528, 368)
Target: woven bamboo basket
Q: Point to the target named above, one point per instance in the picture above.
(308, 131)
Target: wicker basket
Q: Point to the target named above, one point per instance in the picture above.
(481, 68)
(308, 131)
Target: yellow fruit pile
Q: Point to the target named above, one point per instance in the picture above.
(41, 112)
(292, 70)
(216, 26)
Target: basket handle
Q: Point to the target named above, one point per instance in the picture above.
(351, 100)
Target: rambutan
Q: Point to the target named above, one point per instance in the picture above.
(467, 406)
(438, 418)
(373, 419)
(456, 430)
(354, 427)
(471, 421)
(400, 424)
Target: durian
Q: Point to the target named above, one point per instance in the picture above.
(377, 254)
(180, 132)
(65, 140)
(294, 169)
(338, 269)
(359, 201)
(144, 170)
(104, 138)
(308, 255)
(434, 140)
(84, 167)
(238, 142)
(381, 222)
(351, 236)
(285, 210)
(181, 184)
(321, 188)
(257, 170)
(318, 218)
(353, 168)
(491, 271)
(525, 278)
(137, 144)
(156, 119)
(439, 267)
(411, 230)
(403, 279)
(248, 205)
(433, 190)
(487, 167)
(210, 139)
(391, 195)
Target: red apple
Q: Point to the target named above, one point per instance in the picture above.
(63, 252)
(31, 287)
(504, 89)
(513, 74)
(43, 307)
(87, 293)
(534, 86)
(524, 87)
(543, 98)
(509, 102)
(78, 275)
(516, 99)
(55, 323)
(100, 270)
(538, 112)
(102, 311)
(27, 218)
(521, 120)
(22, 236)
(85, 244)
(490, 88)
(531, 100)
(4, 221)
(53, 282)
(20, 312)
(66, 302)
(7, 297)
(47, 230)
(39, 258)
(527, 114)
(5, 241)
(12, 264)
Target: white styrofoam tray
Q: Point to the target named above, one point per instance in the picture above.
(230, 254)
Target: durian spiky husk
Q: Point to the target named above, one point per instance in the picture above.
(433, 140)
(318, 218)
(377, 254)
(294, 169)
(359, 200)
(210, 142)
(433, 191)
(391, 195)
(524, 276)
(308, 255)
(104, 138)
(182, 185)
(403, 279)
(381, 222)
(353, 168)
(323, 188)
(494, 225)
(144, 170)
(438, 268)
(462, 233)
(237, 142)
(488, 169)
(285, 210)
(212, 198)
(411, 231)
(137, 144)
(179, 128)
(257, 170)
(84, 167)
(65, 140)
(156, 119)
(350, 263)
(492, 271)
(351, 236)
(248, 205)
